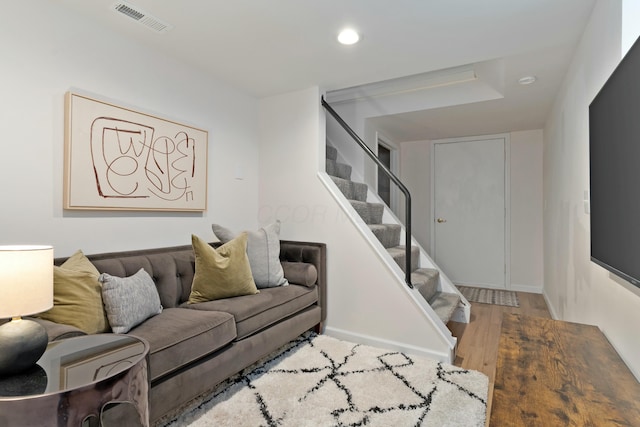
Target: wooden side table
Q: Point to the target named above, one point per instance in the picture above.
(555, 373)
(76, 379)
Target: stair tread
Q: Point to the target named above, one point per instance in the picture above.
(426, 272)
(385, 225)
(367, 203)
(400, 249)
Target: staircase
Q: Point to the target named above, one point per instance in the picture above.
(426, 280)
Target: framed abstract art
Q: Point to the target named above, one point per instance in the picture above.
(117, 158)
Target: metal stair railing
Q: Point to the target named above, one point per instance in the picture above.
(392, 177)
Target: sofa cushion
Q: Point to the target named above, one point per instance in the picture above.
(263, 250)
(253, 313)
(221, 273)
(129, 301)
(178, 336)
(77, 298)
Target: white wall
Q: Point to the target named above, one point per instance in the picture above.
(47, 50)
(415, 173)
(577, 289)
(630, 24)
(526, 257)
(366, 302)
(526, 260)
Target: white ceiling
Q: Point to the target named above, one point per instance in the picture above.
(268, 47)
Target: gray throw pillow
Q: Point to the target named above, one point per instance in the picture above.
(129, 301)
(263, 250)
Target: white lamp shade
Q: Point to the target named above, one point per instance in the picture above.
(26, 280)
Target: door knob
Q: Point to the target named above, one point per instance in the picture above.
(441, 220)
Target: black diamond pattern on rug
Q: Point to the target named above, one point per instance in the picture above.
(322, 381)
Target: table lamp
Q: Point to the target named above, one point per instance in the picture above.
(26, 287)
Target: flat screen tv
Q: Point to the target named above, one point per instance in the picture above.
(614, 161)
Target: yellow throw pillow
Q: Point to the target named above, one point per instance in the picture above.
(77, 296)
(221, 273)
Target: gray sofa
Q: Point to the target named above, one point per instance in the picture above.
(196, 346)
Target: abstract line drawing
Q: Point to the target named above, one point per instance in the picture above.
(117, 158)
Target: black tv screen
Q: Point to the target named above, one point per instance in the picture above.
(614, 160)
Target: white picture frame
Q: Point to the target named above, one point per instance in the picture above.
(117, 158)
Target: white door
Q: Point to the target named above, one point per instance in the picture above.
(469, 203)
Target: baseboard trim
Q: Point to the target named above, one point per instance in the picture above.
(527, 288)
(552, 310)
(391, 345)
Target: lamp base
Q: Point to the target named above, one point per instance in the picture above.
(28, 383)
(22, 343)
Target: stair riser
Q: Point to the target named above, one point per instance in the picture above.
(371, 213)
(330, 167)
(340, 170)
(359, 191)
(375, 213)
(444, 305)
(344, 186)
(331, 153)
(351, 190)
(426, 280)
(400, 258)
(343, 171)
(387, 234)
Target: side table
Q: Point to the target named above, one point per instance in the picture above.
(76, 380)
(556, 373)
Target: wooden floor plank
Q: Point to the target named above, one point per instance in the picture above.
(478, 340)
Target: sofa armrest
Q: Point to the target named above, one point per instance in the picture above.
(58, 331)
(312, 253)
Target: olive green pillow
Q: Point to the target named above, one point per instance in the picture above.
(221, 273)
(263, 250)
(77, 296)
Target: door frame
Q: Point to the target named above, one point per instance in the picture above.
(394, 167)
(507, 195)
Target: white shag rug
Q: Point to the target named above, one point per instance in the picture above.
(322, 381)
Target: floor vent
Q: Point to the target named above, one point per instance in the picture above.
(142, 17)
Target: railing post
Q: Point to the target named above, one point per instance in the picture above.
(391, 176)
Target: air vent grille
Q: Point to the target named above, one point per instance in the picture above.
(142, 17)
(131, 13)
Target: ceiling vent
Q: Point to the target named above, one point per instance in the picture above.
(142, 17)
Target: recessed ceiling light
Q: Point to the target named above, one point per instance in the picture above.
(348, 36)
(527, 80)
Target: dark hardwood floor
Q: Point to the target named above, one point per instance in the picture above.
(478, 340)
